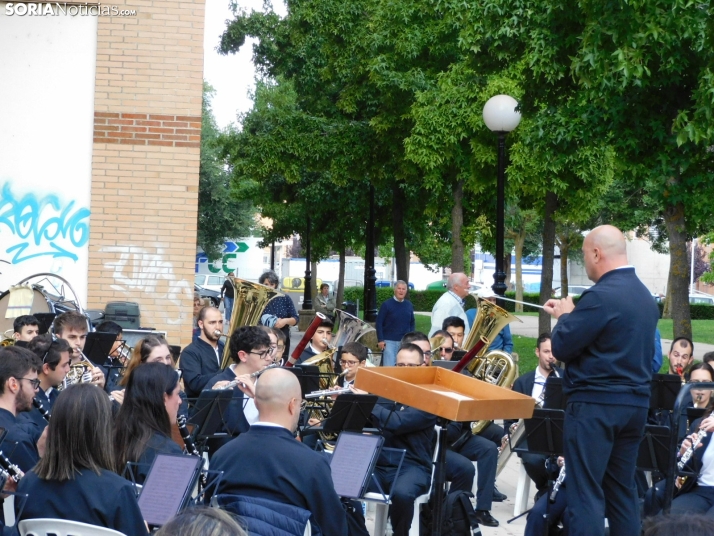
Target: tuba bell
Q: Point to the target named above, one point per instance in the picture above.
(495, 367)
(249, 302)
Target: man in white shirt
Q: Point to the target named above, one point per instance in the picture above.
(451, 303)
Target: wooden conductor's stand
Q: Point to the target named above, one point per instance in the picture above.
(449, 396)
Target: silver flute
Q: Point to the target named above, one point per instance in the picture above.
(328, 392)
(688, 453)
(257, 373)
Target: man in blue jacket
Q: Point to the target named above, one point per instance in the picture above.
(394, 320)
(607, 344)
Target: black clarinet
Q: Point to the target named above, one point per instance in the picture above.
(186, 436)
(38, 404)
(14, 472)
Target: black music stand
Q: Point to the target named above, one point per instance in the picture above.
(208, 413)
(45, 320)
(544, 435)
(665, 388)
(653, 454)
(308, 376)
(98, 347)
(553, 397)
(350, 413)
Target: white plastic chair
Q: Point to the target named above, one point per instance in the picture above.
(522, 491)
(61, 527)
(382, 508)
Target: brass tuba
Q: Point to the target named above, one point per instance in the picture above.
(6, 338)
(249, 301)
(495, 367)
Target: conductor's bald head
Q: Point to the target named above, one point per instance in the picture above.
(277, 397)
(604, 249)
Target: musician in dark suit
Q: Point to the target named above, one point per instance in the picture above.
(533, 384)
(143, 426)
(74, 480)
(607, 343)
(268, 462)
(319, 342)
(54, 356)
(18, 385)
(201, 360)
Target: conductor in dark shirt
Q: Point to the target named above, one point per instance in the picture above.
(268, 462)
(606, 343)
(201, 360)
(18, 386)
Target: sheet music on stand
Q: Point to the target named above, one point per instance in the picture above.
(168, 485)
(353, 463)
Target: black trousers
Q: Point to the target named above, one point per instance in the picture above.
(698, 501)
(537, 524)
(459, 471)
(484, 452)
(601, 443)
(412, 482)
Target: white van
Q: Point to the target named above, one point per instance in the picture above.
(210, 281)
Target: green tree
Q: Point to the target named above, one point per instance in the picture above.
(220, 214)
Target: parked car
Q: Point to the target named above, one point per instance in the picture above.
(701, 298)
(209, 281)
(212, 295)
(573, 290)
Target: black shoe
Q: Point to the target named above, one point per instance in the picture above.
(485, 518)
(498, 496)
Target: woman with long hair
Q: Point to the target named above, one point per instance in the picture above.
(143, 426)
(74, 480)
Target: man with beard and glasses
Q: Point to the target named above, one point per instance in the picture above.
(201, 360)
(18, 386)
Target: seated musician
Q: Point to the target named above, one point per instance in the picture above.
(456, 327)
(26, 328)
(73, 328)
(446, 349)
(115, 360)
(694, 494)
(353, 357)
(533, 384)
(252, 353)
(422, 341)
(151, 349)
(553, 504)
(18, 386)
(142, 428)
(413, 430)
(54, 359)
(280, 345)
(272, 334)
(201, 360)
(268, 462)
(75, 478)
(319, 342)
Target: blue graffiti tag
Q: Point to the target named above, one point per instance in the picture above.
(42, 223)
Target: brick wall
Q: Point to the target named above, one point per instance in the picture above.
(145, 162)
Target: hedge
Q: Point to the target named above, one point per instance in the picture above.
(424, 300)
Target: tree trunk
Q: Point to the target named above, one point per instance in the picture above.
(546, 275)
(339, 298)
(667, 298)
(520, 240)
(678, 291)
(457, 222)
(564, 248)
(401, 252)
(313, 282)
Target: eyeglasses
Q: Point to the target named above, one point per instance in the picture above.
(446, 350)
(33, 381)
(428, 353)
(349, 363)
(265, 354)
(410, 364)
(698, 381)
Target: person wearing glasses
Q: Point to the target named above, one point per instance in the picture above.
(422, 341)
(250, 352)
(446, 350)
(18, 386)
(353, 357)
(142, 428)
(54, 358)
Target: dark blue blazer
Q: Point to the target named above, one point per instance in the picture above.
(199, 364)
(524, 385)
(19, 445)
(33, 421)
(607, 342)
(268, 462)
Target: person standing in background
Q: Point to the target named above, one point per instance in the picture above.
(227, 296)
(394, 320)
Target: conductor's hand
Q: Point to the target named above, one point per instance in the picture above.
(381, 345)
(555, 308)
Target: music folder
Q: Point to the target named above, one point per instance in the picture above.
(353, 462)
(98, 346)
(167, 488)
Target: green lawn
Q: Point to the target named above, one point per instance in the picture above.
(702, 330)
